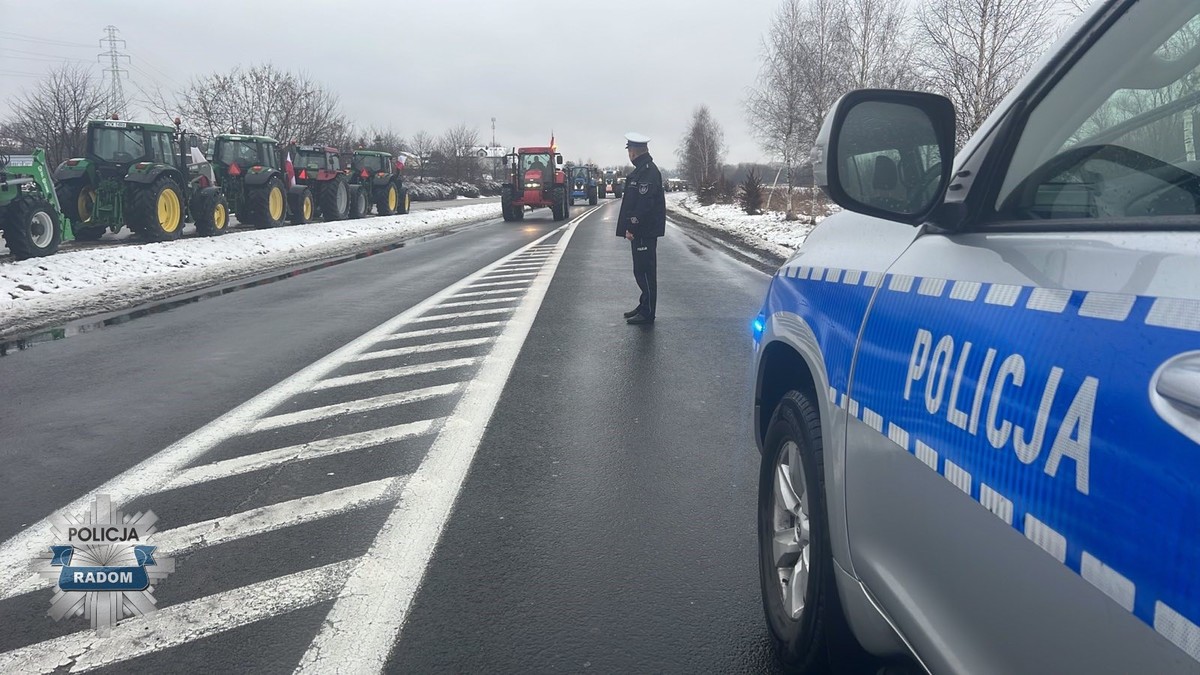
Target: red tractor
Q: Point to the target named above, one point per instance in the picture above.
(535, 179)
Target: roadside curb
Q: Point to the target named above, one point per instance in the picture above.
(61, 329)
(758, 258)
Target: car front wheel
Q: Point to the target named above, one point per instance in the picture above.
(799, 591)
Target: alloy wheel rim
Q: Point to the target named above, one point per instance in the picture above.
(791, 540)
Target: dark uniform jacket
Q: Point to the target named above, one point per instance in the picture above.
(643, 201)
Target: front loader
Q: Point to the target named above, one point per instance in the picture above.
(30, 216)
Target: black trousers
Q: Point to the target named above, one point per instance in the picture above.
(645, 271)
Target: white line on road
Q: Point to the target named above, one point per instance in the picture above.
(184, 540)
(180, 624)
(351, 407)
(362, 626)
(432, 332)
(390, 373)
(521, 275)
(498, 283)
(422, 349)
(482, 301)
(463, 315)
(473, 294)
(295, 453)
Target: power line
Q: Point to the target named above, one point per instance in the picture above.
(8, 35)
(116, 92)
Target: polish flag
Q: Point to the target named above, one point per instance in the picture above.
(288, 170)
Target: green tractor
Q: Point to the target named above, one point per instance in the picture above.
(375, 178)
(30, 217)
(251, 172)
(136, 174)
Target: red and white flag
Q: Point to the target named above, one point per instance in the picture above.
(288, 170)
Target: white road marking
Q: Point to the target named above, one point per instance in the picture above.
(363, 624)
(498, 283)
(475, 294)
(422, 349)
(304, 451)
(431, 332)
(520, 266)
(183, 540)
(390, 373)
(481, 301)
(463, 315)
(521, 275)
(180, 624)
(354, 406)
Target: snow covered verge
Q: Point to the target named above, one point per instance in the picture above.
(768, 234)
(433, 189)
(48, 291)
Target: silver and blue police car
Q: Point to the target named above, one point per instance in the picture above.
(978, 389)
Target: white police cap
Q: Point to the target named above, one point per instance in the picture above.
(636, 139)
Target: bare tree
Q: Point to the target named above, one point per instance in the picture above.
(423, 145)
(54, 113)
(385, 140)
(775, 105)
(879, 46)
(263, 100)
(975, 51)
(454, 145)
(703, 149)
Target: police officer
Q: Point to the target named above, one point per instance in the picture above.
(643, 219)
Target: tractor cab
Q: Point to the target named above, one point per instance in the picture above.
(113, 146)
(234, 156)
(316, 162)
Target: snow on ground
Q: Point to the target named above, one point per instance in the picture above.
(46, 291)
(768, 233)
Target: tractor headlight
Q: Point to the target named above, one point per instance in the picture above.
(532, 185)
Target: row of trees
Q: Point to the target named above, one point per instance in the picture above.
(262, 99)
(972, 51)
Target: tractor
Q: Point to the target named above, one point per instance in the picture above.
(584, 183)
(320, 168)
(375, 178)
(614, 184)
(30, 217)
(251, 172)
(535, 179)
(136, 174)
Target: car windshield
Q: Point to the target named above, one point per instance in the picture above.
(1130, 146)
(118, 145)
(240, 152)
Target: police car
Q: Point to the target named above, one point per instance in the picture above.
(978, 386)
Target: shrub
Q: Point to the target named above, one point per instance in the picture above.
(750, 196)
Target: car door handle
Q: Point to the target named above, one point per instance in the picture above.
(1175, 393)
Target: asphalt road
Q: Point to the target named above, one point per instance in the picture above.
(451, 457)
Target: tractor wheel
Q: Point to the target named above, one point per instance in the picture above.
(558, 203)
(77, 199)
(156, 210)
(506, 210)
(304, 207)
(405, 202)
(30, 228)
(359, 204)
(389, 200)
(211, 214)
(592, 197)
(334, 199)
(266, 205)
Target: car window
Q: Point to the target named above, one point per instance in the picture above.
(118, 145)
(1116, 138)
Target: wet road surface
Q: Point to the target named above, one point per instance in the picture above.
(451, 457)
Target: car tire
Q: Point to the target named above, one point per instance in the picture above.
(809, 632)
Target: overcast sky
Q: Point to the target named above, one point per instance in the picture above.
(588, 70)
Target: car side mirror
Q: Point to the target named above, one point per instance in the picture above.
(886, 153)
